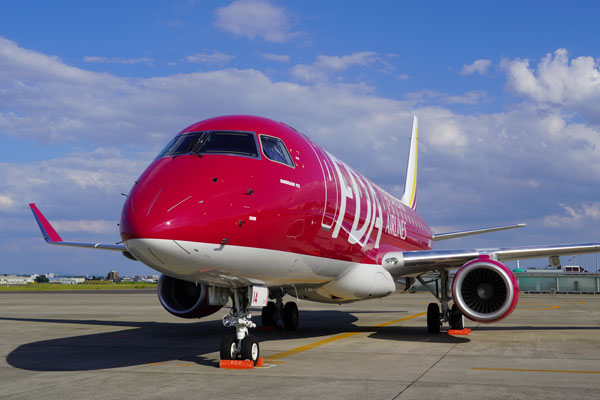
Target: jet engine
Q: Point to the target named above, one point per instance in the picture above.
(184, 299)
(485, 290)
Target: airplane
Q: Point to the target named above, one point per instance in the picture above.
(250, 209)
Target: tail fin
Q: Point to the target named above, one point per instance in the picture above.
(409, 198)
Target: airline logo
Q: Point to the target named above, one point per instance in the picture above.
(371, 204)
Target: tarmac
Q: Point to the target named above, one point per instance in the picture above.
(109, 345)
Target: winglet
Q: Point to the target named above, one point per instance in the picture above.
(48, 231)
(409, 198)
(52, 237)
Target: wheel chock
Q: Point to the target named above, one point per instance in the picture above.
(236, 364)
(241, 364)
(465, 331)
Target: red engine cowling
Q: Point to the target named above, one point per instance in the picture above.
(485, 290)
(184, 299)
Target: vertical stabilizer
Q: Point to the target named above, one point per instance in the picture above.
(409, 198)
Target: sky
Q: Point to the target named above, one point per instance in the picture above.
(507, 95)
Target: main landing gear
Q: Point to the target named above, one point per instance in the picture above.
(276, 310)
(240, 345)
(450, 315)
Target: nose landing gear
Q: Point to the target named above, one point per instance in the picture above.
(240, 345)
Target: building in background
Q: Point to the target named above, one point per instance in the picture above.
(17, 279)
(112, 276)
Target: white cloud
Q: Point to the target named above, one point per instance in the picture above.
(574, 216)
(210, 57)
(325, 66)
(276, 57)
(117, 60)
(446, 132)
(471, 97)
(95, 59)
(256, 18)
(308, 74)
(480, 67)
(573, 84)
(6, 202)
(336, 63)
(18, 63)
(87, 180)
(85, 225)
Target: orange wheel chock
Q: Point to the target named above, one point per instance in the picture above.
(240, 364)
(465, 331)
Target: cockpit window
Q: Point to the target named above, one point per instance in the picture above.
(230, 143)
(275, 150)
(240, 143)
(181, 144)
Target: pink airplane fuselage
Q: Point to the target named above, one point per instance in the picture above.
(318, 207)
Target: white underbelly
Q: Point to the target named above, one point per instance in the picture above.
(230, 265)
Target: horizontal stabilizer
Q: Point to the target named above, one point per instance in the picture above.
(453, 235)
(52, 237)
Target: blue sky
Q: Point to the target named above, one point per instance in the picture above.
(508, 96)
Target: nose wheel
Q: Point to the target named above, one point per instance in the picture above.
(250, 349)
(229, 348)
(240, 345)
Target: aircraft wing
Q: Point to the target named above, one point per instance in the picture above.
(409, 263)
(52, 237)
(453, 235)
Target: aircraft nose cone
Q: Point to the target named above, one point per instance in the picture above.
(188, 198)
(161, 203)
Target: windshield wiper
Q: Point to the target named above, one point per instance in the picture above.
(198, 146)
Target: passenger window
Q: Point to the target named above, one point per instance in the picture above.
(275, 150)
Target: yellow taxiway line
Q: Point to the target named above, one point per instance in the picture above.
(335, 338)
(556, 371)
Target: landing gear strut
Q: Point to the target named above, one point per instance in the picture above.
(452, 316)
(240, 344)
(276, 310)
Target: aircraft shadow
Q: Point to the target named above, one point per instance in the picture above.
(142, 343)
(415, 334)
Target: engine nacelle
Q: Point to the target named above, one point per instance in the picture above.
(184, 299)
(485, 290)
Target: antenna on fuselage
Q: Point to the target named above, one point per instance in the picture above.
(409, 198)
